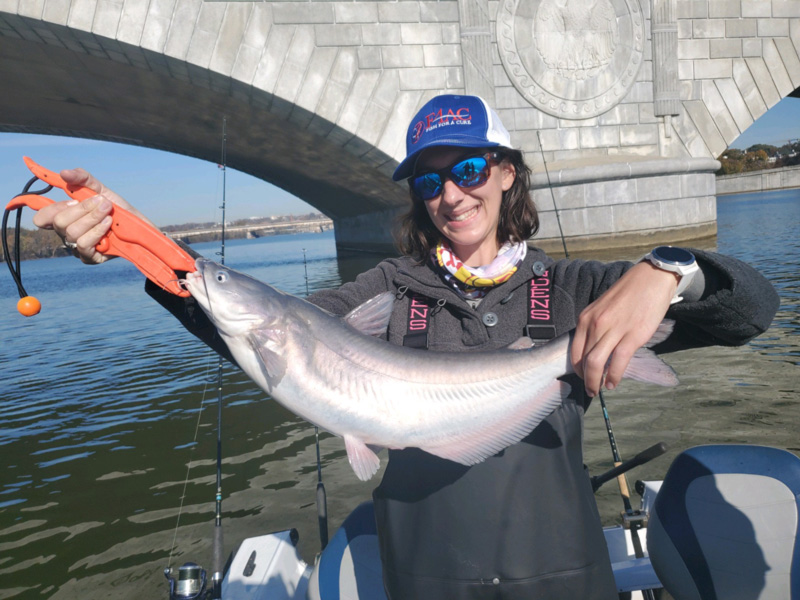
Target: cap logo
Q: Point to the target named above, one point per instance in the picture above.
(439, 119)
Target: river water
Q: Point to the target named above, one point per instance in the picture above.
(108, 431)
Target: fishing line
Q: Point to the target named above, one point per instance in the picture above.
(322, 497)
(207, 380)
(552, 195)
(624, 490)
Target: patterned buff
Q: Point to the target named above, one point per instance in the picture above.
(473, 282)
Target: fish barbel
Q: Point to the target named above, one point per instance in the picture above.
(334, 372)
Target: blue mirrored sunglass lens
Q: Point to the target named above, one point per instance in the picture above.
(469, 172)
(427, 186)
(465, 174)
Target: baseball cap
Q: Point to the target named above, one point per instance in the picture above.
(451, 120)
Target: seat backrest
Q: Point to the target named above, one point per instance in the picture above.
(350, 566)
(724, 525)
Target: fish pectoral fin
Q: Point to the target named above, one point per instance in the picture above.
(274, 364)
(647, 367)
(372, 317)
(361, 457)
(476, 447)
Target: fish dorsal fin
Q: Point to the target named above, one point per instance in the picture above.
(515, 425)
(361, 457)
(372, 317)
(272, 362)
(522, 343)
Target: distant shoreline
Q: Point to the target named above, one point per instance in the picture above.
(41, 243)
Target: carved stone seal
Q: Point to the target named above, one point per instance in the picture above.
(573, 59)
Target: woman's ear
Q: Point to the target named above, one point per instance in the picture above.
(509, 175)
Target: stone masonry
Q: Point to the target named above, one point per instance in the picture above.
(620, 115)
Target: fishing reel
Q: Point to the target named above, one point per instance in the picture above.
(191, 582)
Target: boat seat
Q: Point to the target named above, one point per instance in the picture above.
(350, 566)
(724, 525)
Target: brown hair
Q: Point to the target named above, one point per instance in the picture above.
(416, 235)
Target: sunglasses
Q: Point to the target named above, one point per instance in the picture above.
(468, 173)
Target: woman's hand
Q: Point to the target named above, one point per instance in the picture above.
(620, 322)
(82, 224)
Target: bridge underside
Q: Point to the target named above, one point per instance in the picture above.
(75, 94)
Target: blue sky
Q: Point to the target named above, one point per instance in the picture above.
(776, 127)
(168, 188)
(172, 189)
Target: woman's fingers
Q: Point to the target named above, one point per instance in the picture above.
(591, 358)
(83, 224)
(80, 224)
(82, 177)
(616, 325)
(86, 243)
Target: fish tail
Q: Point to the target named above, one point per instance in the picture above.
(646, 367)
(663, 331)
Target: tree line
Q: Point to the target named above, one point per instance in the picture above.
(758, 157)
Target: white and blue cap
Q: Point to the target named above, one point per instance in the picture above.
(449, 120)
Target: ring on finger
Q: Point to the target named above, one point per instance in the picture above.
(70, 245)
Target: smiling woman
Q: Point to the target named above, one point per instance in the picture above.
(451, 530)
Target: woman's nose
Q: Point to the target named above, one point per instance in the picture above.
(451, 192)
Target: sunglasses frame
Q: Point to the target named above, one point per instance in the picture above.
(447, 173)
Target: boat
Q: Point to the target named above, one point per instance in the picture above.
(723, 524)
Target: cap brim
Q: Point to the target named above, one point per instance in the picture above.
(406, 168)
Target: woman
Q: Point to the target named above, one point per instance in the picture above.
(522, 524)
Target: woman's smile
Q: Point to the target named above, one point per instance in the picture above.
(464, 216)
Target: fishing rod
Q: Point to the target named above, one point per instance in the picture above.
(322, 497)
(191, 581)
(217, 560)
(633, 520)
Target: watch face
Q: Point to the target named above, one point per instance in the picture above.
(670, 254)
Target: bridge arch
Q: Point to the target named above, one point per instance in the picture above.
(317, 95)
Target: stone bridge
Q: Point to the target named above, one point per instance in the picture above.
(621, 106)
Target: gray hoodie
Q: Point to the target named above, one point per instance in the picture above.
(523, 524)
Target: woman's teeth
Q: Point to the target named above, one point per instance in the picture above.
(464, 216)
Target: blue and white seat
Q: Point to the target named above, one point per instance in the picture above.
(350, 566)
(725, 525)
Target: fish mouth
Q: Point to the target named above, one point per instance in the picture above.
(196, 284)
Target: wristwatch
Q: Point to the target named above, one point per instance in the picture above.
(675, 260)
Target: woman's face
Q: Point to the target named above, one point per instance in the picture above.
(468, 217)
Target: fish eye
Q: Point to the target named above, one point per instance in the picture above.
(222, 276)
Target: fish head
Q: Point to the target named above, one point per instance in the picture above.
(236, 303)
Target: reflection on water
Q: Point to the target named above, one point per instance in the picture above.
(109, 430)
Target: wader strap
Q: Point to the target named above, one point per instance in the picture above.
(419, 311)
(540, 326)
